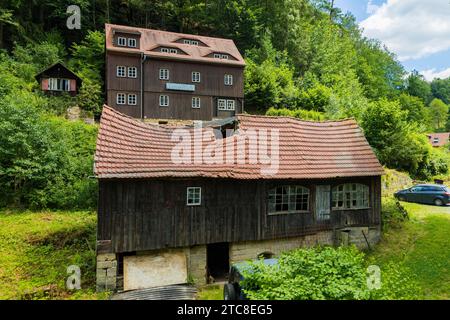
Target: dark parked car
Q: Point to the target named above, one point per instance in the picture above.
(233, 290)
(425, 193)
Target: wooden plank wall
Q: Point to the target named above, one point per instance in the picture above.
(151, 214)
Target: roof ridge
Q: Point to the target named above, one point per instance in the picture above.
(294, 118)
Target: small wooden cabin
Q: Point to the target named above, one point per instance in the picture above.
(161, 222)
(58, 79)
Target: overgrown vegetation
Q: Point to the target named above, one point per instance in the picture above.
(37, 247)
(324, 273)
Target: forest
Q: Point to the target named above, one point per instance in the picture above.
(305, 58)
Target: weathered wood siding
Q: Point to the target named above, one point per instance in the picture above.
(140, 215)
(211, 87)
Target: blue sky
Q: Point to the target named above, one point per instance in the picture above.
(417, 31)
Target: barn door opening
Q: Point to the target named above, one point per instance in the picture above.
(218, 261)
(323, 202)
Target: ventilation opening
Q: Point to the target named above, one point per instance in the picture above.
(218, 261)
(265, 255)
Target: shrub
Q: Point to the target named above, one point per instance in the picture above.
(392, 213)
(296, 113)
(323, 273)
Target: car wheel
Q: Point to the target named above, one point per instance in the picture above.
(438, 202)
(228, 292)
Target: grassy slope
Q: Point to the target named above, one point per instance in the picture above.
(423, 245)
(37, 247)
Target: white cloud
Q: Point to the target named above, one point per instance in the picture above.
(412, 29)
(431, 74)
(371, 8)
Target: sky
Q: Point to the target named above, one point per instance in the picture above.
(417, 31)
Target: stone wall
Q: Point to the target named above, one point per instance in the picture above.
(197, 264)
(361, 237)
(251, 249)
(106, 272)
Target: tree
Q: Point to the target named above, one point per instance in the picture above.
(441, 89)
(438, 113)
(417, 86)
(417, 112)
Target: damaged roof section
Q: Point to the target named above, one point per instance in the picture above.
(129, 148)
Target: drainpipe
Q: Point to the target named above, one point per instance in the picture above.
(143, 58)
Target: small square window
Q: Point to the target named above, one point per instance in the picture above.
(185, 41)
(173, 51)
(120, 71)
(217, 55)
(195, 76)
(196, 103)
(163, 101)
(132, 42)
(194, 196)
(121, 41)
(222, 104)
(164, 74)
(120, 99)
(132, 99)
(132, 72)
(224, 56)
(165, 50)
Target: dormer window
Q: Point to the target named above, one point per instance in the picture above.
(221, 56)
(168, 50)
(132, 42)
(191, 42)
(121, 41)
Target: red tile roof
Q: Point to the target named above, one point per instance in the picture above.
(151, 39)
(442, 138)
(129, 148)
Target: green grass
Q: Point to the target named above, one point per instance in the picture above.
(37, 247)
(422, 244)
(211, 292)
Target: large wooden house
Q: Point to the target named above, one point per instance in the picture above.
(161, 222)
(153, 74)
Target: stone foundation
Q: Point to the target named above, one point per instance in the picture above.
(196, 256)
(106, 272)
(252, 249)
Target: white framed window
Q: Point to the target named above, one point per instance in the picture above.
(132, 72)
(230, 105)
(195, 102)
(217, 55)
(120, 72)
(163, 101)
(193, 196)
(436, 140)
(350, 196)
(224, 56)
(186, 41)
(120, 98)
(191, 42)
(165, 50)
(132, 99)
(228, 79)
(132, 42)
(195, 76)
(221, 104)
(173, 51)
(121, 41)
(56, 84)
(163, 74)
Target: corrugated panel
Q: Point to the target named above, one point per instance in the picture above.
(175, 292)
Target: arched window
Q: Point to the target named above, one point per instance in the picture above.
(350, 196)
(288, 199)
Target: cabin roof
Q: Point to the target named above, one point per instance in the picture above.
(58, 69)
(130, 148)
(151, 39)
